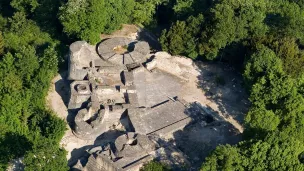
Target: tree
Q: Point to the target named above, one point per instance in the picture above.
(264, 61)
(22, 32)
(27, 64)
(183, 7)
(83, 19)
(262, 120)
(293, 58)
(45, 156)
(286, 19)
(86, 20)
(47, 125)
(26, 6)
(232, 21)
(181, 37)
(12, 145)
(274, 153)
(46, 17)
(117, 13)
(1, 44)
(224, 158)
(144, 10)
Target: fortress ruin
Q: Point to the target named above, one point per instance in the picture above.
(120, 86)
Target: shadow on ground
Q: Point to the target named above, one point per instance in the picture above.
(79, 154)
(199, 138)
(62, 87)
(224, 86)
(208, 129)
(145, 35)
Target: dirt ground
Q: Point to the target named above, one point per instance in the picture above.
(219, 87)
(127, 30)
(134, 32)
(58, 96)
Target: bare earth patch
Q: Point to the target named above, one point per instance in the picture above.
(120, 49)
(127, 30)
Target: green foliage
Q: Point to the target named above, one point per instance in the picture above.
(262, 119)
(117, 12)
(271, 92)
(181, 38)
(271, 89)
(45, 156)
(224, 158)
(293, 58)
(271, 32)
(154, 166)
(234, 20)
(88, 19)
(274, 153)
(229, 21)
(26, 6)
(22, 32)
(276, 116)
(83, 19)
(1, 44)
(299, 2)
(13, 145)
(29, 59)
(28, 62)
(286, 19)
(183, 7)
(45, 16)
(3, 22)
(144, 10)
(263, 62)
(47, 125)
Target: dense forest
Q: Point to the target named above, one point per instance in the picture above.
(263, 39)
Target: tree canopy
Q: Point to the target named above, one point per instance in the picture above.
(264, 39)
(28, 61)
(86, 20)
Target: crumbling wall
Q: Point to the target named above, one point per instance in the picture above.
(115, 83)
(136, 50)
(80, 94)
(78, 65)
(128, 150)
(179, 66)
(90, 122)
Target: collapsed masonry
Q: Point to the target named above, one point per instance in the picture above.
(118, 83)
(122, 154)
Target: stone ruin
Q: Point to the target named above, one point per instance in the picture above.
(119, 86)
(120, 154)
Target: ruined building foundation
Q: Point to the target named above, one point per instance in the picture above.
(119, 86)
